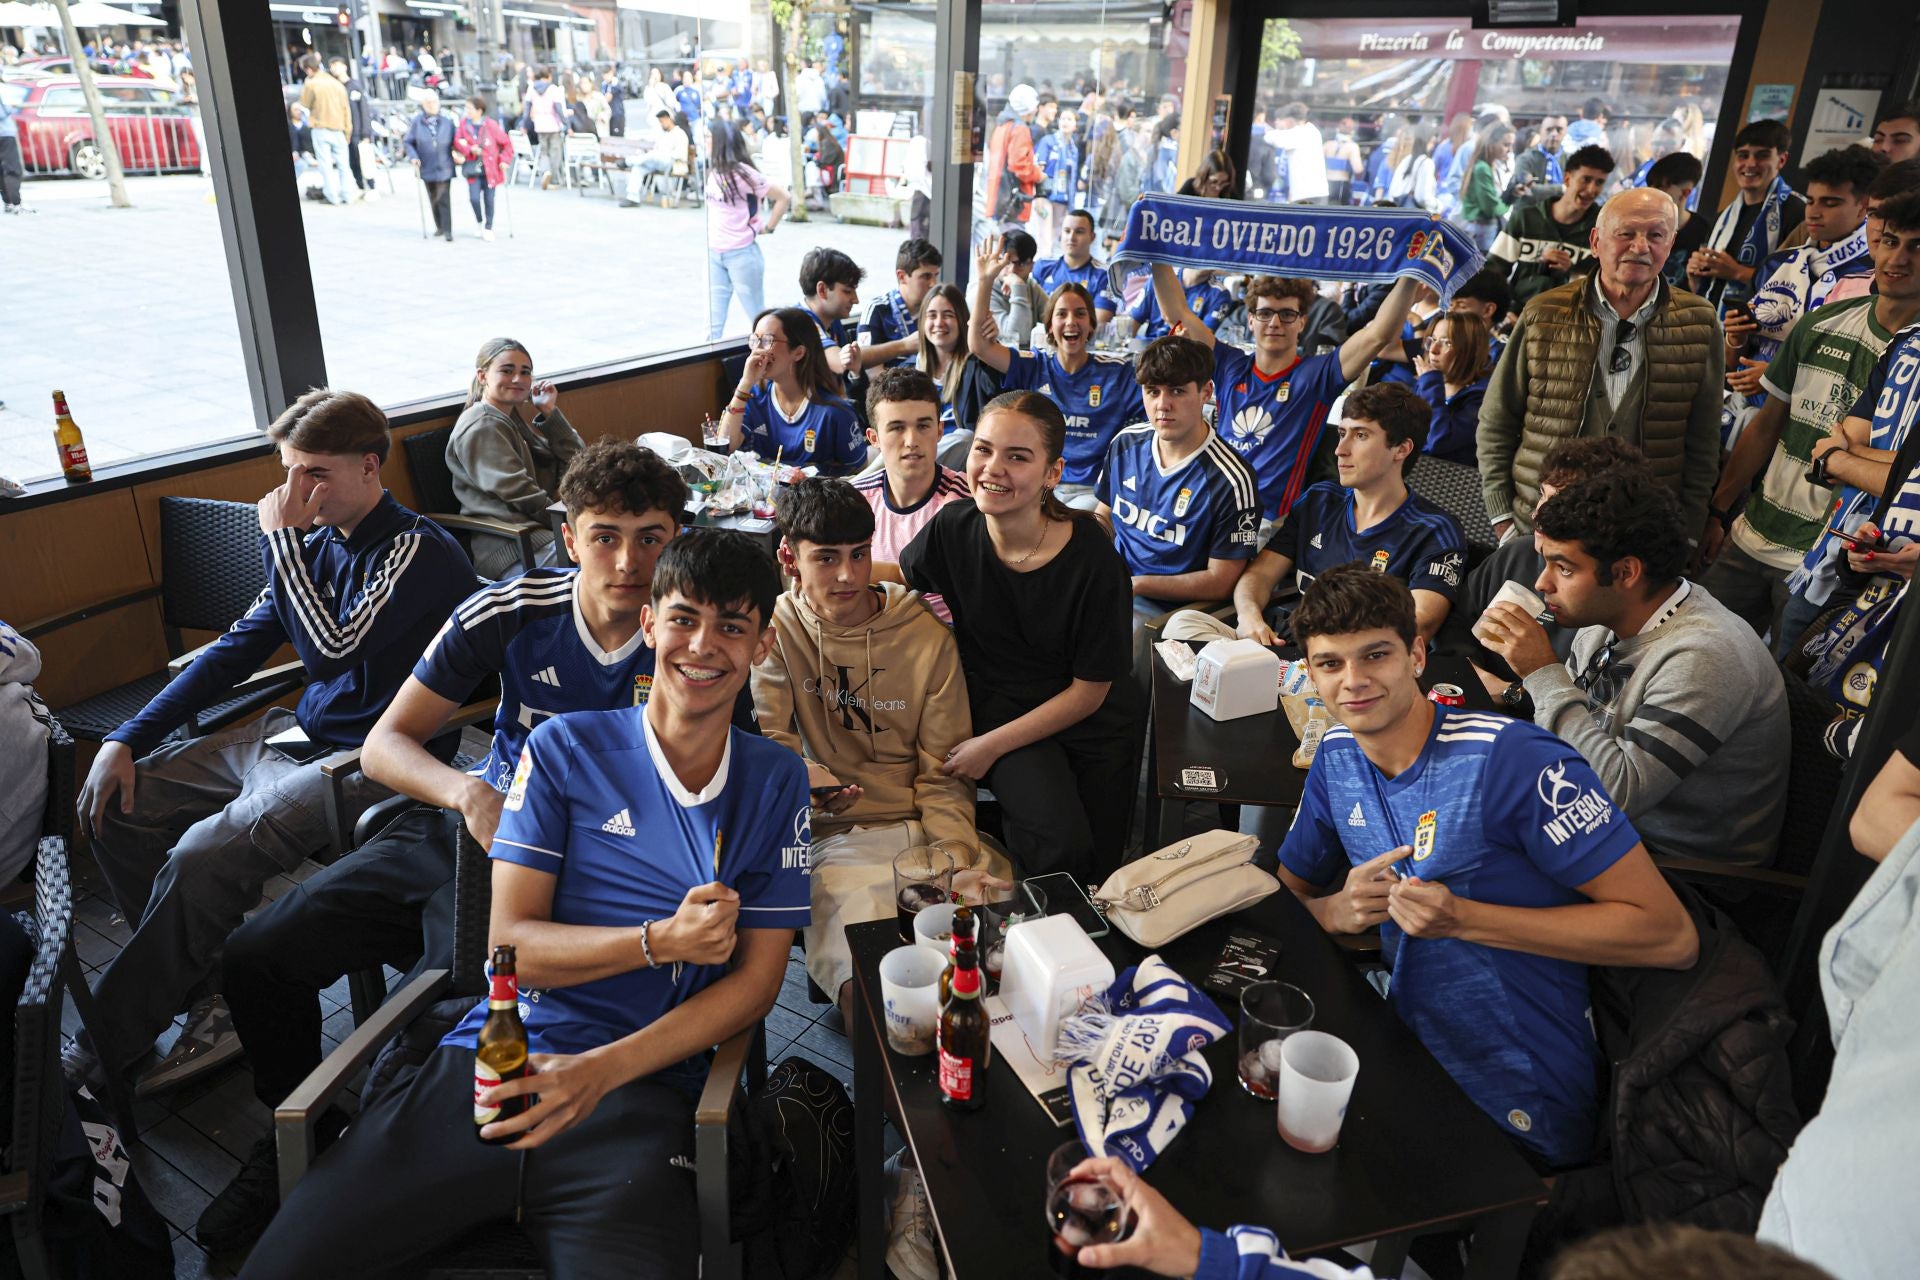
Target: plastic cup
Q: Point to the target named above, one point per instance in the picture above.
(1516, 593)
(1269, 1013)
(933, 928)
(909, 992)
(1316, 1079)
(922, 877)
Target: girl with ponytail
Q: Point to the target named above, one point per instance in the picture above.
(505, 464)
(1042, 609)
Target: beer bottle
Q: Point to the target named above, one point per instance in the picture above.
(962, 938)
(68, 442)
(501, 1053)
(965, 1047)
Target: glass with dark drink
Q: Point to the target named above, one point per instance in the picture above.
(1081, 1211)
(922, 878)
(1269, 1013)
(1022, 902)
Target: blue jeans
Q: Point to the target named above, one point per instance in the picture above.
(330, 149)
(734, 272)
(1794, 621)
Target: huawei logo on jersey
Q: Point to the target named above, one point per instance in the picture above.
(1252, 422)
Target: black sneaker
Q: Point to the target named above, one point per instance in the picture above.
(240, 1213)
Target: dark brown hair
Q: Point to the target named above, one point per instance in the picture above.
(335, 422)
(1676, 1251)
(1572, 460)
(1349, 598)
(1044, 414)
(1468, 357)
(1399, 411)
(622, 476)
(1174, 361)
(798, 327)
(1616, 514)
(901, 382)
(1053, 301)
(1303, 292)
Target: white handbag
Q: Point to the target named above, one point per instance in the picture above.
(1155, 899)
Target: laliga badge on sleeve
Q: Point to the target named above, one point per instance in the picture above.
(517, 793)
(1202, 777)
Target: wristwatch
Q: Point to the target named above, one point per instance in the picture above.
(1514, 696)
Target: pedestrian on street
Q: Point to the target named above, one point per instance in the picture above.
(616, 96)
(429, 145)
(544, 121)
(331, 118)
(743, 207)
(362, 122)
(11, 171)
(481, 147)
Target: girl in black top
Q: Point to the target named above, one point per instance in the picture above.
(1042, 609)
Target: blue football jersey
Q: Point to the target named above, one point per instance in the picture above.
(1207, 301)
(529, 631)
(1419, 543)
(1499, 811)
(1274, 423)
(1097, 401)
(1174, 521)
(595, 804)
(1051, 273)
(823, 434)
(888, 320)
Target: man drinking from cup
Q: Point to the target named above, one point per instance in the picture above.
(1406, 799)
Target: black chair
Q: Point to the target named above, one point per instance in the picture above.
(433, 484)
(439, 997)
(39, 1092)
(1455, 489)
(211, 574)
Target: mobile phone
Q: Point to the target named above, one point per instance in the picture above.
(1859, 539)
(1068, 897)
(823, 794)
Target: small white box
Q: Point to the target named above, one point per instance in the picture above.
(1051, 969)
(1234, 678)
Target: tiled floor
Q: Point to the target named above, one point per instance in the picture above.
(193, 1139)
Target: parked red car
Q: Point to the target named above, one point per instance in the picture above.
(151, 127)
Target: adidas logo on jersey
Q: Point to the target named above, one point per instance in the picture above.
(1356, 818)
(547, 675)
(1315, 543)
(620, 824)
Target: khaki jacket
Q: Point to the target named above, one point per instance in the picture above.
(326, 102)
(879, 705)
(1541, 393)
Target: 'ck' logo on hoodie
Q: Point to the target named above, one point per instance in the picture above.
(838, 690)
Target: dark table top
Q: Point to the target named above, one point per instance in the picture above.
(1414, 1152)
(1254, 753)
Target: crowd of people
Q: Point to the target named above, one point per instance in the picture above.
(1706, 487)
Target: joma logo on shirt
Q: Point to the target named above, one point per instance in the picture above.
(1151, 523)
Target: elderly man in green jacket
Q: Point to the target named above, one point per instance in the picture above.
(1619, 353)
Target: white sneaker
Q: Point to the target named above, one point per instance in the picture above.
(910, 1223)
(207, 1041)
(487, 235)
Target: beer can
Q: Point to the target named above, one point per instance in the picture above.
(1449, 695)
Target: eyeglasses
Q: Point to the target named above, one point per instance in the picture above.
(1439, 342)
(1595, 673)
(1268, 315)
(764, 341)
(1621, 359)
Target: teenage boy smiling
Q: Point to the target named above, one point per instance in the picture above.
(903, 423)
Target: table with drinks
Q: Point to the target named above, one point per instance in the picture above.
(1409, 1153)
(1248, 760)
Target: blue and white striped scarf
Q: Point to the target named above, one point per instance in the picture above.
(1309, 242)
(1137, 1065)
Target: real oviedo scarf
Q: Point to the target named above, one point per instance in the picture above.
(1303, 241)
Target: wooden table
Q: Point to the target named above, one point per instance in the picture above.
(1415, 1155)
(1252, 757)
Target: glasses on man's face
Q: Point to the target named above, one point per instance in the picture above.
(1274, 315)
(1622, 358)
(765, 341)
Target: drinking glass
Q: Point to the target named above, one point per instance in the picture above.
(1022, 901)
(1081, 1210)
(922, 877)
(1269, 1013)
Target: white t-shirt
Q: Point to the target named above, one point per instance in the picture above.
(1306, 159)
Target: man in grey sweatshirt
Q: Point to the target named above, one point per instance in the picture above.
(1673, 700)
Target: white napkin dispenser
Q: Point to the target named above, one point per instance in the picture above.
(1051, 968)
(1234, 678)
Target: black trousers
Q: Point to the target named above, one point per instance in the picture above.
(353, 163)
(388, 902)
(442, 207)
(11, 171)
(610, 1199)
(1065, 800)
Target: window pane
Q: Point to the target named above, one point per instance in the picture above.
(1661, 80)
(148, 353)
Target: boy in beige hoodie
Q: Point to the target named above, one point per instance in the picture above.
(864, 682)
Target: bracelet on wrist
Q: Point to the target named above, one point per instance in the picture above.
(646, 948)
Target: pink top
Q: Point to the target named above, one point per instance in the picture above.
(1858, 285)
(894, 528)
(544, 107)
(730, 225)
